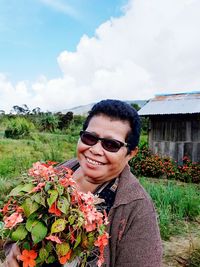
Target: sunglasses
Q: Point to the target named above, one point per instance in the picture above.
(110, 145)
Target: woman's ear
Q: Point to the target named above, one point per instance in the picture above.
(133, 153)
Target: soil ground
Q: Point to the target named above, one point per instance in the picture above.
(179, 248)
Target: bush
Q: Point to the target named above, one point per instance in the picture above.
(150, 165)
(189, 171)
(18, 127)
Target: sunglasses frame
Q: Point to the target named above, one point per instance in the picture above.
(121, 144)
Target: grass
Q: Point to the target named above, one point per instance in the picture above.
(16, 156)
(175, 204)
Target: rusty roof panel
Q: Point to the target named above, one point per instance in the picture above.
(188, 103)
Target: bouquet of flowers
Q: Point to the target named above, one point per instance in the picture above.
(51, 220)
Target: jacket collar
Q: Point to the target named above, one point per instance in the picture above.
(129, 188)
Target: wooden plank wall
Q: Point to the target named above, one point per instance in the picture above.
(175, 136)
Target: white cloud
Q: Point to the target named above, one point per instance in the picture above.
(153, 48)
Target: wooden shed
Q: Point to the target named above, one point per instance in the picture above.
(174, 125)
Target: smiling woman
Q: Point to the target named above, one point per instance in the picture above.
(107, 142)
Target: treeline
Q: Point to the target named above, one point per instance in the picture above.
(22, 122)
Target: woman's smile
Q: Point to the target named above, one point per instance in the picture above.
(94, 162)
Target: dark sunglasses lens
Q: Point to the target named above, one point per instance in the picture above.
(111, 145)
(88, 139)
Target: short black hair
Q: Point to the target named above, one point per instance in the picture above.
(119, 110)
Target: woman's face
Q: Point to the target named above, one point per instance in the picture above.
(98, 164)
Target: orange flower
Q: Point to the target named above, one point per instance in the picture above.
(101, 242)
(53, 209)
(12, 220)
(28, 257)
(6, 207)
(67, 182)
(65, 258)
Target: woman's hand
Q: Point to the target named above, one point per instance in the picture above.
(11, 258)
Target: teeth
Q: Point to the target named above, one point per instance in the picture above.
(93, 162)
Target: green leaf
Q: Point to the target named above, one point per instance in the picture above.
(58, 226)
(63, 204)
(39, 199)
(48, 185)
(50, 259)
(80, 221)
(60, 189)
(26, 245)
(78, 240)
(31, 222)
(71, 219)
(29, 206)
(20, 233)
(43, 254)
(53, 197)
(49, 246)
(27, 187)
(62, 249)
(91, 239)
(38, 232)
(16, 190)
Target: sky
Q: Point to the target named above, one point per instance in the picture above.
(58, 54)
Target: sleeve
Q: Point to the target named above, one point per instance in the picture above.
(140, 244)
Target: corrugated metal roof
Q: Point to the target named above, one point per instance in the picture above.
(184, 103)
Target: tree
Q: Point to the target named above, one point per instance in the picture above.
(64, 120)
(36, 111)
(136, 106)
(23, 110)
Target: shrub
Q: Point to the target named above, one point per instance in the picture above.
(189, 171)
(150, 165)
(18, 127)
(48, 122)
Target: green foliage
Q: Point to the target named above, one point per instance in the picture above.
(18, 127)
(74, 128)
(174, 204)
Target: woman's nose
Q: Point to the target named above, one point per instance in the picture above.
(97, 149)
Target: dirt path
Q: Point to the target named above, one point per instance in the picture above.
(181, 246)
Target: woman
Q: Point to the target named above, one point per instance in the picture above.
(108, 141)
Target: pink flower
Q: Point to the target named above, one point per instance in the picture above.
(37, 188)
(12, 220)
(54, 239)
(41, 170)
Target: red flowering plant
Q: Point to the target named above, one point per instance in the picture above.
(51, 220)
